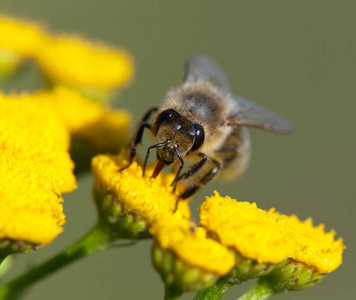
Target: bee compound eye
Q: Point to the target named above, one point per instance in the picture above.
(199, 137)
(165, 116)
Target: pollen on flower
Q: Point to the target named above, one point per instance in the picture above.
(270, 237)
(24, 38)
(315, 246)
(35, 169)
(191, 245)
(91, 65)
(148, 197)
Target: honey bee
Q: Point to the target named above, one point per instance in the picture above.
(203, 120)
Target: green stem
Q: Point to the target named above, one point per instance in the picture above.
(214, 292)
(170, 294)
(97, 239)
(2, 258)
(261, 290)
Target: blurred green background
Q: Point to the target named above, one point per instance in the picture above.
(295, 57)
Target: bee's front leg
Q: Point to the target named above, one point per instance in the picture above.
(193, 169)
(138, 137)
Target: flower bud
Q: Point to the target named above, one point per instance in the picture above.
(10, 246)
(292, 275)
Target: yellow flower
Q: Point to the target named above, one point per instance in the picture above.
(73, 61)
(185, 257)
(127, 200)
(191, 244)
(35, 169)
(18, 40)
(97, 128)
(68, 60)
(22, 37)
(270, 237)
(38, 150)
(150, 198)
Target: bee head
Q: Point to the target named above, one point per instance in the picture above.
(178, 135)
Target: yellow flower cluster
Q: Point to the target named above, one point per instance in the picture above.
(67, 60)
(270, 237)
(263, 236)
(36, 130)
(154, 201)
(35, 169)
(35, 164)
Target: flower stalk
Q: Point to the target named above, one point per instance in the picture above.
(99, 238)
(216, 291)
(261, 290)
(2, 258)
(171, 294)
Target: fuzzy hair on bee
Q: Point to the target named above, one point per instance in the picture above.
(202, 103)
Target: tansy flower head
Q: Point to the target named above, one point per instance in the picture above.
(22, 37)
(129, 201)
(73, 61)
(18, 40)
(268, 237)
(185, 257)
(35, 169)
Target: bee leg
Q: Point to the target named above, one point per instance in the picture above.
(229, 154)
(135, 143)
(138, 137)
(195, 168)
(179, 170)
(147, 115)
(192, 189)
(228, 149)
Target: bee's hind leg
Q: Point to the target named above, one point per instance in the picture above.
(192, 189)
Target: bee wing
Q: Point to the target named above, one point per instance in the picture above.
(202, 68)
(252, 114)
